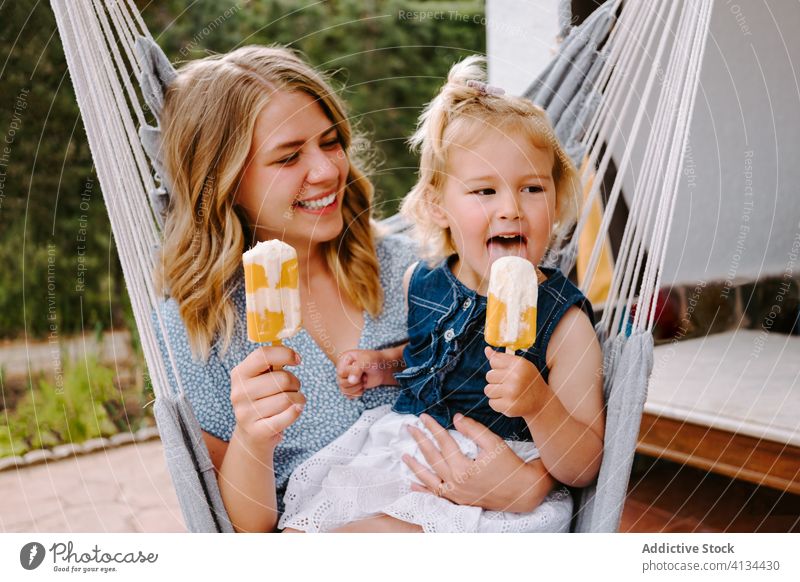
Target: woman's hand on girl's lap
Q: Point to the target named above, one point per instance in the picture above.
(497, 479)
(266, 399)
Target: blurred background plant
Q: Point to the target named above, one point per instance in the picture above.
(61, 275)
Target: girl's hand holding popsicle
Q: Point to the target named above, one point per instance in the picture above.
(514, 386)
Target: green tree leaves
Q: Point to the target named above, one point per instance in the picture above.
(388, 58)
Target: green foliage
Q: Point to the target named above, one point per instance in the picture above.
(55, 232)
(386, 63)
(387, 59)
(84, 403)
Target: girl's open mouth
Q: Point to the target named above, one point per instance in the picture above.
(504, 245)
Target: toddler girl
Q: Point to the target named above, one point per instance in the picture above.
(493, 181)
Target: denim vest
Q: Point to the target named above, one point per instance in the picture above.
(446, 367)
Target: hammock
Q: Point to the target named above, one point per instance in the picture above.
(591, 86)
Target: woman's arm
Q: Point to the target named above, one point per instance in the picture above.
(238, 470)
(266, 400)
(247, 485)
(216, 449)
(566, 419)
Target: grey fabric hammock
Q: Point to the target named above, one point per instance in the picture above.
(585, 90)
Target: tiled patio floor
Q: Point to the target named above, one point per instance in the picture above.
(666, 497)
(128, 489)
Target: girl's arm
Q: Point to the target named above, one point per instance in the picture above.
(359, 370)
(566, 416)
(568, 419)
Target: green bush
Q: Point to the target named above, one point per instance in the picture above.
(85, 403)
(386, 66)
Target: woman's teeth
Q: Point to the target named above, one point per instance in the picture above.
(318, 203)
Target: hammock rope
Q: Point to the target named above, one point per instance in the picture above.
(592, 93)
(121, 164)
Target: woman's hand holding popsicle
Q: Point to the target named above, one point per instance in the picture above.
(266, 398)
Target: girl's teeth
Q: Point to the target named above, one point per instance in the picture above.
(317, 204)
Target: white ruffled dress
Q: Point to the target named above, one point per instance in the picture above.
(361, 474)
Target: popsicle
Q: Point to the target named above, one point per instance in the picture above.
(511, 310)
(272, 291)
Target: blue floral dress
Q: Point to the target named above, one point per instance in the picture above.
(327, 413)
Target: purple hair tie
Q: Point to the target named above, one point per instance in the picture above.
(485, 88)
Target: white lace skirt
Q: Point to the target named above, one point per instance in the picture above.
(361, 474)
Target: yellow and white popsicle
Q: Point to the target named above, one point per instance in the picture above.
(273, 294)
(511, 310)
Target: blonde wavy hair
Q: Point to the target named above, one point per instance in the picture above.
(459, 113)
(210, 112)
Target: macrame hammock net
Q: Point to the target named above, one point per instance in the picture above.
(634, 61)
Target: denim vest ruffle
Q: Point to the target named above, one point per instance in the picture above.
(446, 367)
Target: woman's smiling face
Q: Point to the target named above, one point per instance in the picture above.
(294, 180)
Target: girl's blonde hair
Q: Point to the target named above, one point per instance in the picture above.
(210, 112)
(459, 113)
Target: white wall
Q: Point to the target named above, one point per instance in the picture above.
(738, 210)
(520, 40)
(739, 220)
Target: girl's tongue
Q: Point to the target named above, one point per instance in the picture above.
(499, 246)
